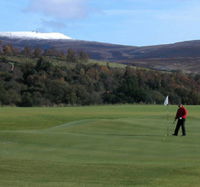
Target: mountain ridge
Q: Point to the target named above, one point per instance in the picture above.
(180, 56)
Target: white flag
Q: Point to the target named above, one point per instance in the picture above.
(166, 101)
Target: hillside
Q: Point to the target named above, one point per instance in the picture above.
(74, 80)
(182, 56)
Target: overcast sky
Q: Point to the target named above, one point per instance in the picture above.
(128, 22)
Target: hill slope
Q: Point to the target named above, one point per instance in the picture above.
(171, 57)
(47, 81)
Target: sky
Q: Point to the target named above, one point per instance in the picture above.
(127, 22)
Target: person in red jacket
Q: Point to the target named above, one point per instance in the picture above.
(181, 116)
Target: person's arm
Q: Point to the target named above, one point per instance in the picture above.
(185, 113)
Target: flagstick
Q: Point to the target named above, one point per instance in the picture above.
(168, 124)
(166, 103)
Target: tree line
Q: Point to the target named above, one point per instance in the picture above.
(41, 82)
(70, 54)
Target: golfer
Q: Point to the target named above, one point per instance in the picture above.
(181, 116)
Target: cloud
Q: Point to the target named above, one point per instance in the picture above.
(179, 12)
(51, 26)
(60, 9)
(186, 14)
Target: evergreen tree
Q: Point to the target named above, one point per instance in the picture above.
(27, 52)
(37, 53)
(71, 56)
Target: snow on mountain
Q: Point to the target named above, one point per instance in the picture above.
(35, 35)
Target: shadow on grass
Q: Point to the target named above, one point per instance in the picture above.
(134, 135)
(128, 135)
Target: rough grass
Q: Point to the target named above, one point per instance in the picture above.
(60, 61)
(123, 145)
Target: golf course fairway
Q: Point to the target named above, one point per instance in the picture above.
(120, 145)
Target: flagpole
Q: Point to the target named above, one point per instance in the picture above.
(166, 103)
(168, 124)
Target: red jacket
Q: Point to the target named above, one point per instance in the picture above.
(181, 112)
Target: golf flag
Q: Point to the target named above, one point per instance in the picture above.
(166, 102)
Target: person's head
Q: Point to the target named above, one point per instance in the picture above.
(180, 105)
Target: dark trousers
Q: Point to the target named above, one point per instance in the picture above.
(180, 123)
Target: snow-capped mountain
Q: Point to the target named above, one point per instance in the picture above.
(35, 35)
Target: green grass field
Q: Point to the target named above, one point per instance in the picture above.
(123, 145)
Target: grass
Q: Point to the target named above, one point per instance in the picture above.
(104, 63)
(123, 145)
(61, 61)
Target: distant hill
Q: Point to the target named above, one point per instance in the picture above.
(182, 56)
